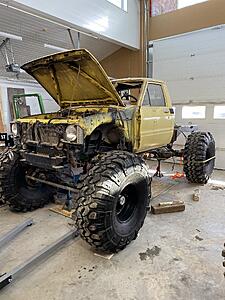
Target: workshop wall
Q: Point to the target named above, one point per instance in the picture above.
(202, 15)
(129, 63)
(125, 62)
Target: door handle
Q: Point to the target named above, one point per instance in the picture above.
(166, 110)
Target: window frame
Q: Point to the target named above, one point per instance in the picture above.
(163, 94)
(123, 4)
(146, 94)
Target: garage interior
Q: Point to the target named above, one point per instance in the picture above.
(178, 253)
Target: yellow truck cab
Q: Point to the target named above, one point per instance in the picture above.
(154, 120)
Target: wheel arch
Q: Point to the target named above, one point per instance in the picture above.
(110, 133)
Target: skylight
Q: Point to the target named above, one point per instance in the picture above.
(184, 3)
(120, 3)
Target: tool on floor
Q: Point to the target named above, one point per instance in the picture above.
(167, 207)
(196, 195)
(7, 278)
(178, 175)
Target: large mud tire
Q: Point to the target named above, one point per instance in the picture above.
(113, 200)
(199, 147)
(14, 188)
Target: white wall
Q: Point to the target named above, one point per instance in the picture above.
(29, 87)
(193, 65)
(98, 16)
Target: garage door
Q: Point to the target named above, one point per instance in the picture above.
(193, 65)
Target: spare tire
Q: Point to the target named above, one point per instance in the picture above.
(113, 200)
(199, 157)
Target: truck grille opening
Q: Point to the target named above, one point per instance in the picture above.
(40, 133)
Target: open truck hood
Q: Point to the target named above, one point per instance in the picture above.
(74, 78)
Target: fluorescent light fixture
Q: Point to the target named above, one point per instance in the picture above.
(11, 36)
(54, 47)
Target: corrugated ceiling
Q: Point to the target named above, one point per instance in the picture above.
(36, 32)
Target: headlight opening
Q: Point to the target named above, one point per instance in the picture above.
(14, 129)
(71, 133)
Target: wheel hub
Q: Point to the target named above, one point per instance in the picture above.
(126, 204)
(122, 200)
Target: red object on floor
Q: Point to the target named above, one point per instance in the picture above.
(178, 175)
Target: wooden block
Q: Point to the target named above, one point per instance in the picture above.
(104, 255)
(59, 210)
(167, 207)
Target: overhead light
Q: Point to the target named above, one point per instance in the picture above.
(11, 36)
(54, 47)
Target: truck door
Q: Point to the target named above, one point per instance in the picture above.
(157, 119)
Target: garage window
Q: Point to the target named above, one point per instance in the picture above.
(120, 3)
(193, 112)
(219, 112)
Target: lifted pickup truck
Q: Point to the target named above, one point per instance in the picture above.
(93, 147)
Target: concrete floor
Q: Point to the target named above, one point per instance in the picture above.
(176, 256)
